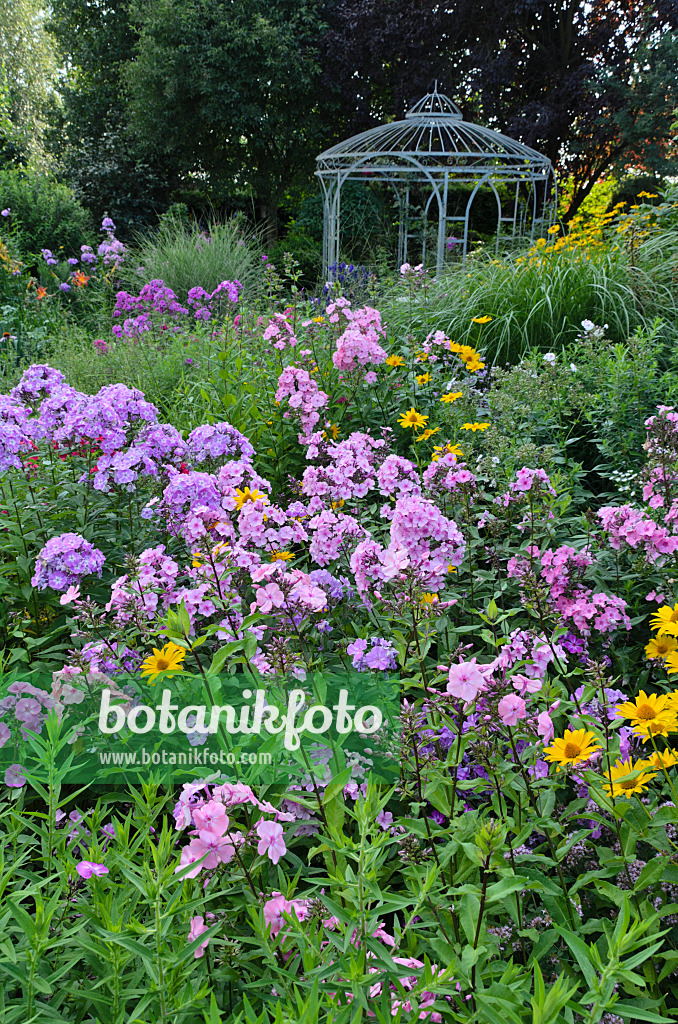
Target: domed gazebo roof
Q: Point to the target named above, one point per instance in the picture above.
(434, 147)
(433, 135)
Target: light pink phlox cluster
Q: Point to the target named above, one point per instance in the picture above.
(371, 563)
(601, 612)
(340, 308)
(303, 395)
(359, 343)
(527, 480)
(280, 332)
(431, 539)
(334, 533)
(449, 475)
(398, 476)
(156, 577)
(627, 525)
(562, 567)
(352, 471)
(269, 527)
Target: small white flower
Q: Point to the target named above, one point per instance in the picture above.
(573, 368)
(588, 325)
(550, 358)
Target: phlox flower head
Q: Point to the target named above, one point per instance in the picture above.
(87, 868)
(465, 681)
(271, 840)
(198, 928)
(511, 708)
(64, 562)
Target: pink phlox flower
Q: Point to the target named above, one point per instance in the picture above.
(271, 840)
(511, 708)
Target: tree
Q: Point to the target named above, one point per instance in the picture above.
(97, 146)
(27, 73)
(232, 93)
(590, 83)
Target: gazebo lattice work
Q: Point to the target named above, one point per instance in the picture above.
(433, 146)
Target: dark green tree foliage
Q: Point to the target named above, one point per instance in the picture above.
(590, 83)
(98, 147)
(232, 92)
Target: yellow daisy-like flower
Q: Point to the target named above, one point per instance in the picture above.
(554, 230)
(423, 378)
(443, 449)
(429, 599)
(651, 714)
(247, 495)
(475, 426)
(621, 786)
(481, 319)
(665, 620)
(197, 559)
(394, 361)
(428, 433)
(660, 647)
(474, 365)
(281, 556)
(334, 430)
(572, 748)
(412, 418)
(660, 759)
(318, 319)
(451, 396)
(164, 662)
(456, 347)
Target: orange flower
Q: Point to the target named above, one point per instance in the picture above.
(80, 279)
(41, 292)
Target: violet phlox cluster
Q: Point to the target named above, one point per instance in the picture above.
(280, 332)
(359, 345)
(37, 382)
(213, 443)
(373, 655)
(304, 399)
(111, 249)
(631, 526)
(65, 561)
(350, 469)
(157, 447)
(105, 417)
(15, 434)
(433, 542)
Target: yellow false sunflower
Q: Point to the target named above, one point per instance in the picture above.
(660, 759)
(623, 786)
(475, 426)
(451, 396)
(412, 418)
(281, 556)
(423, 378)
(671, 662)
(481, 319)
(665, 620)
(428, 433)
(241, 496)
(651, 714)
(660, 647)
(429, 599)
(443, 449)
(164, 662)
(395, 361)
(473, 365)
(572, 748)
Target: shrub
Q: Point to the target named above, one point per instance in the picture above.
(45, 213)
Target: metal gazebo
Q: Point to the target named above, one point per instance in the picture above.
(433, 146)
